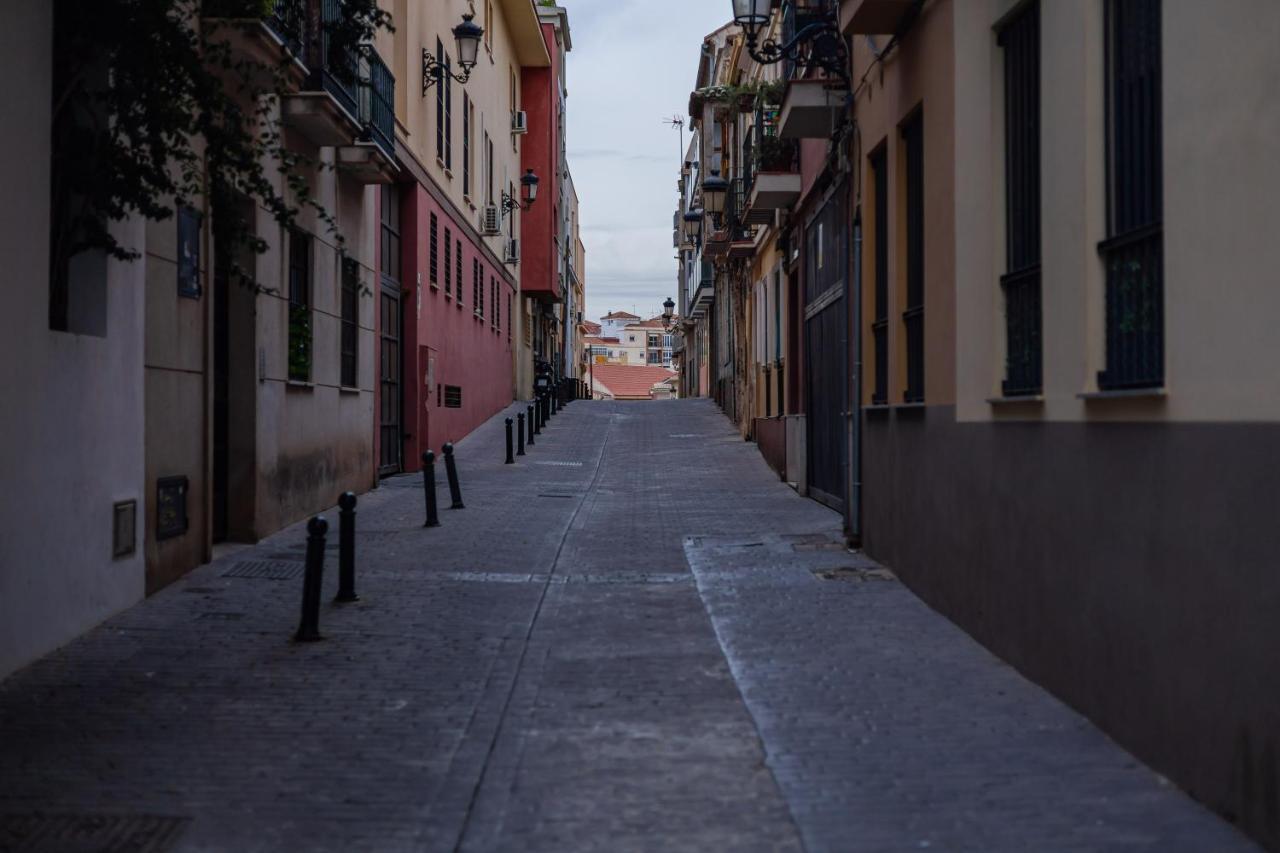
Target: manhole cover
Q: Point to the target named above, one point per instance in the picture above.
(264, 570)
(852, 575)
(67, 833)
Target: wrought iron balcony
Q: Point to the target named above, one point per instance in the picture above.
(266, 41)
(326, 110)
(373, 157)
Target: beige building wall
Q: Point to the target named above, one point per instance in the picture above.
(916, 76)
(1220, 250)
(73, 431)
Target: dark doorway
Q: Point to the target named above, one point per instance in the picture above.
(826, 352)
(390, 405)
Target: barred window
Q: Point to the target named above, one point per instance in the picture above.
(448, 265)
(913, 316)
(1133, 252)
(299, 341)
(1020, 41)
(458, 269)
(435, 252)
(350, 322)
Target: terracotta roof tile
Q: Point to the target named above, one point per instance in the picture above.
(628, 382)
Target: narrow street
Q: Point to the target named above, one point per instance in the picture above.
(637, 638)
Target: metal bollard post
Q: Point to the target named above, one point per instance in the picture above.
(520, 434)
(309, 627)
(551, 400)
(451, 471)
(535, 412)
(544, 413)
(429, 488)
(346, 549)
(533, 424)
(511, 446)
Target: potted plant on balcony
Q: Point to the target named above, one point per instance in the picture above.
(774, 154)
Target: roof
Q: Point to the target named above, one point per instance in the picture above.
(590, 328)
(651, 323)
(619, 315)
(596, 339)
(628, 382)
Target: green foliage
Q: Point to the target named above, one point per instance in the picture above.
(153, 111)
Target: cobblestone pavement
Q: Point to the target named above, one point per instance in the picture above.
(540, 673)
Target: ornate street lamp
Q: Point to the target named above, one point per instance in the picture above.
(668, 313)
(693, 226)
(528, 192)
(817, 43)
(467, 37)
(714, 191)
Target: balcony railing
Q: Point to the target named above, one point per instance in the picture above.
(796, 15)
(377, 103)
(288, 20)
(334, 69)
(1135, 310)
(1022, 333)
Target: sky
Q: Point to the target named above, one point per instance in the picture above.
(632, 66)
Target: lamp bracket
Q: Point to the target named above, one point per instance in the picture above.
(433, 71)
(817, 44)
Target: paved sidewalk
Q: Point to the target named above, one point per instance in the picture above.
(540, 673)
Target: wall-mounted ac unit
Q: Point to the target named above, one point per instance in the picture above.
(491, 220)
(519, 122)
(513, 252)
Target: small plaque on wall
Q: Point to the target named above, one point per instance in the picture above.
(171, 507)
(124, 527)
(189, 252)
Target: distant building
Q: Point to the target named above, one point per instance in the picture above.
(627, 382)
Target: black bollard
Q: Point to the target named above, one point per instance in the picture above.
(346, 549)
(312, 579)
(429, 487)
(544, 413)
(535, 419)
(551, 400)
(451, 471)
(511, 446)
(520, 434)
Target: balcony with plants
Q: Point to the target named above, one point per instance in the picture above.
(264, 41)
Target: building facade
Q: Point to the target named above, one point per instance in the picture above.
(965, 288)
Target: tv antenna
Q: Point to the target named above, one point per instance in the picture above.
(677, 121)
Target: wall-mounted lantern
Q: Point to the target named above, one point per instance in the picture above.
(466, 37)
(818, 43)
(693, 226)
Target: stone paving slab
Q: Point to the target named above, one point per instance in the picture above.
(889, 729)
(540, 673)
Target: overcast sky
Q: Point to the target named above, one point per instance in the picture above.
(632, 66)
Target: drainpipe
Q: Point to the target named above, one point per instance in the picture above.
(855, 403)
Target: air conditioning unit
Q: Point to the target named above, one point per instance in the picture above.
(513, 252)
(491, 220)
(519, 122)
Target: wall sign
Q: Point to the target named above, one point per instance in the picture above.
(189, 252)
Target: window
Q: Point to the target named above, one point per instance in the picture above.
(446, 83)
(448, 263)
(880, 251)
(488, 25)
(1020, 41)
(435, 252)
(1133, 252)
(509, 316)
(390, 233)
(457, 259)
(497, 306)
(466, 145)
(350, 322)
(655, 357)
(299, 307)
(488, 168)
(477, 287)
(441, 83)
(653, 340)
(77, 273)
(913, 316)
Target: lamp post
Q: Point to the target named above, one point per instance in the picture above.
(668, 313)
(466, 37)
(817, 43)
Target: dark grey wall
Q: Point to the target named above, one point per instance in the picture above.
(1131, 568)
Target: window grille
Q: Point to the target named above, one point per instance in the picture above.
(880, 316)
(1133, 253)
(913, 316)
(350, 322)
(1020, 40)
(299, 341)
